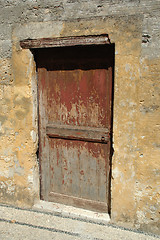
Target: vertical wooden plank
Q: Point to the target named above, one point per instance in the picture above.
(102, 176)
(43, 143)
(55, 166)
(83, 169)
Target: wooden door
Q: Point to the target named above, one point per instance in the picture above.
(74, 89)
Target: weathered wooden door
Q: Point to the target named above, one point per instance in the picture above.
(74, 86)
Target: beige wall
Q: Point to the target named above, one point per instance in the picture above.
(136, 122)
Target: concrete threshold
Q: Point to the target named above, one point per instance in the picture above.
(72, 212)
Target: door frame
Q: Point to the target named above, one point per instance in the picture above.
(86, 40)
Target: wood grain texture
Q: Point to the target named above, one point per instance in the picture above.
(65, 41)
(82, 203)
(82, 133)
(74, 126)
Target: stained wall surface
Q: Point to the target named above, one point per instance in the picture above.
(133, 26)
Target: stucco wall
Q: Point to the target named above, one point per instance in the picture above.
(134, 28)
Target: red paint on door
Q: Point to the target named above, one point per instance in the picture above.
(74, 88)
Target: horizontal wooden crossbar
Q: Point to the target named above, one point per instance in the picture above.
(65, 41)
(90, 134)
(80, 202)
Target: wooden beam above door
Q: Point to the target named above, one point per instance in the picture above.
(65, 41)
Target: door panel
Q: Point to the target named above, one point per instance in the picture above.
(74, 127)
(80, 97)
(79, 169)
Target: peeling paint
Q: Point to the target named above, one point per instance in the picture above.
(135, 194)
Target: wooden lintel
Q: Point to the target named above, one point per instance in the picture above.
(65, 41)
(78, 133)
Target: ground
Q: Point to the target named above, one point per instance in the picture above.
(17, 224)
